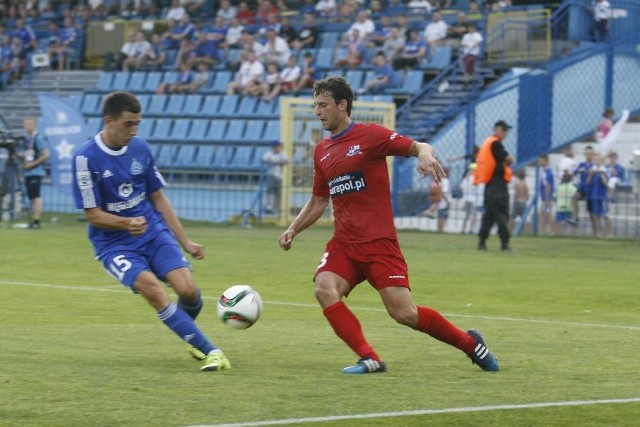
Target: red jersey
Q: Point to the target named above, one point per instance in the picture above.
(351, 168)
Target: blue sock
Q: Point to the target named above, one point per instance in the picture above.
(179, 322)
(192, 309)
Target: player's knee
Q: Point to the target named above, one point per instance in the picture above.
(326, 294)
(154, 292)
(403, 316)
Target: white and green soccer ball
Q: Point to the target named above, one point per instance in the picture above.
(239, 306)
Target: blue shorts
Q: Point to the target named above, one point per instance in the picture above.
(160, 255)
(597, 207)
(443, 213)
(563, 216)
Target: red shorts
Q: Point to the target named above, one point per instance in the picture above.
(380, 262)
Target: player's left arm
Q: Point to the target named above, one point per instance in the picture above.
(163, 205)
(427, 163)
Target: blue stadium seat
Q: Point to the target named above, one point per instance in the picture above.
(235, 130)
(271, 132)
(198, 131)
(180, 130)
(221, 82)
(324, 61)
(204, 157)
(104, 81)
(144, 101)
(175, 105)
(217, 130)
(192, 105)
(210, 105)
(75, 101)
(94, 125)
(223, 156)
(243, 157)
(155, 149)
(91, 104)
(166, 156)
(170, 77)
(136, 82)
(354, 78)
(253, 131)
(441, 58)
(153, 81)
(161, 130)
(186, 155)
(266, 110)
(157, 105)
(247, 106)
(256, 162)
(145, 129)
(411, 83)
(171, 63)
(228, 106)
(328, 39)
(120, 80)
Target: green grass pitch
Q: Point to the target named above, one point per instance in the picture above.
(562, 315)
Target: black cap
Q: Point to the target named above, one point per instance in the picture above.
(502, 124)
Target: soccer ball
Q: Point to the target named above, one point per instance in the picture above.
(239, 306)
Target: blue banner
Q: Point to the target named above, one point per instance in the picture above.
(64, 128)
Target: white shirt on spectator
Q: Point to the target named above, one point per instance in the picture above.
(601, 10)
(326, 7)
(176, 13)
(435, 31)
(275, 162)
(366, 28)
(471, 43)
(279, 51)
(290, 74)
(423, 5)
(234, 34)
(250, 71)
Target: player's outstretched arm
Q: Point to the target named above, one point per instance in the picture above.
(427, 163)
(136, 226)
(310, 213)
(163, 205)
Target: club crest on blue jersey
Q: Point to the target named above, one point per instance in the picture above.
(136, 167)
(125, 190)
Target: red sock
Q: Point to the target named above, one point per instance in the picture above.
(347, 327)
(433, 323)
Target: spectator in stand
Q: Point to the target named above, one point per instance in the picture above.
(396, 7)
(597, 184)
(520, 198)
(136, 59)
(184, 30)
(473, 197)
(363, 24)
(226, 11)
(326, 8)
(384, 76)
(156, 56)
(271, 86)
(127, 51)
(420, 7)
(601, 14)
(233, 39)
(415, 51)
(8, 68)
(381, 33)
(290, 75)
(470, 44)
(474, 9)
(245, 14)
(403, 25)
(54, 48)
(175, 12)
(182, 83)
(546, 189)
(276, 49)
(68, 35)
(605, 124)
(287, 31)
(27, 37)
(563, 196)
(308, 34)
(375, 10)
(394, 45)
(272, 22)
(249, 78)
(309, 6)
(205, 51)
(457, 30)
(217, 33)
(309, 75)
(350, 50)
(435, 33)
(201, 78)
(185, 53)
(616, 174)
(264, 9)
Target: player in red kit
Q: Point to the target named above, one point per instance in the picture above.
(351, 171)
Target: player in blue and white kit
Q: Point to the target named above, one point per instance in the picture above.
(133, 227)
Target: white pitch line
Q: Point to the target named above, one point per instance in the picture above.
(424, 412)
(303, 305)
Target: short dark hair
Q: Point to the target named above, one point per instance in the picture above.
(337, 87)
(119, 102)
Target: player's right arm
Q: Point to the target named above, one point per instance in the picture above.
(310, 213)
(136, 226)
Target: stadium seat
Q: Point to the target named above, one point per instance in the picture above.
(136, 82)
(93, 126)
(75, 101)
(210, 105)
(221, 82)
(242, 157)
(235, 130)
(441, 58)
(222, 157)
(104, 81)
(180, 130)
(228, 106)
(354, 78)
(161, 130)
(166, 156)
(170, 77)
(216, 131)
(204, 156)
(144, 101)
(192, 105)
(157, 105)
(153, 81)
(175, 105)
(198, 131)
(186, 156)
(256, 162)
(271, 132)
(171, 61)
(328, 39)
(411, 84)
(253, 131)
(145, 129)
(247, 106)
(120, 80)
(324, 61)
(91, 104)
(266, 110)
